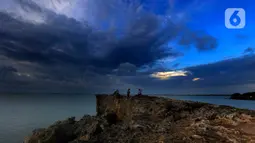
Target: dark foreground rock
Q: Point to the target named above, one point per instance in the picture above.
(144, 119)
(245, 96)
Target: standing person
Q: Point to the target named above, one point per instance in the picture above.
(128, 93)
(116, 93)
(139, 92)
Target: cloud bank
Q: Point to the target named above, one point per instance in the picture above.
(60, 45)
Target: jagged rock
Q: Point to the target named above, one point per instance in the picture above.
(152, 119)
(89, 126)
(111, 118)
(60, 132)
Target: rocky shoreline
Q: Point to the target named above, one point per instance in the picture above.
(146, 119)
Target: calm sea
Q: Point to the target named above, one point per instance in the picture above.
(21, 114)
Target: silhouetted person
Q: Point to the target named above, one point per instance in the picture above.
(116, 93)
(139, 92)
(128, 93)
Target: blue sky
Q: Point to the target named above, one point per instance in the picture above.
(209, 17)
(161, 46)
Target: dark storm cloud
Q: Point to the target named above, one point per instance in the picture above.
(237, 71)
(249, 50)
(67, 52)
(206, 42)
(65, 40)
(6, 72)
(126, 69)
(50, 44)
(201, 40)
(218, 77)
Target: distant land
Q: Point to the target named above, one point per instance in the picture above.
(244, 96)
(193, 94)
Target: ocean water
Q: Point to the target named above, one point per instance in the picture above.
(219, 100)
(20, 114)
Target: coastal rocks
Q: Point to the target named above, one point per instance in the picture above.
(152, 120)
(60, 132)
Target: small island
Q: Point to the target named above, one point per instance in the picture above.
(245, 96)
(148, 119)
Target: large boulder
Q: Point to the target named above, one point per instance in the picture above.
(60, 132)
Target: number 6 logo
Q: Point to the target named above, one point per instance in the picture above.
(235, 18)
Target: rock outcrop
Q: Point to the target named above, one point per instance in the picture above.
(145, 119)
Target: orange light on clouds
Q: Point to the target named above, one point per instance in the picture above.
(168, 74)
(196, 79)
